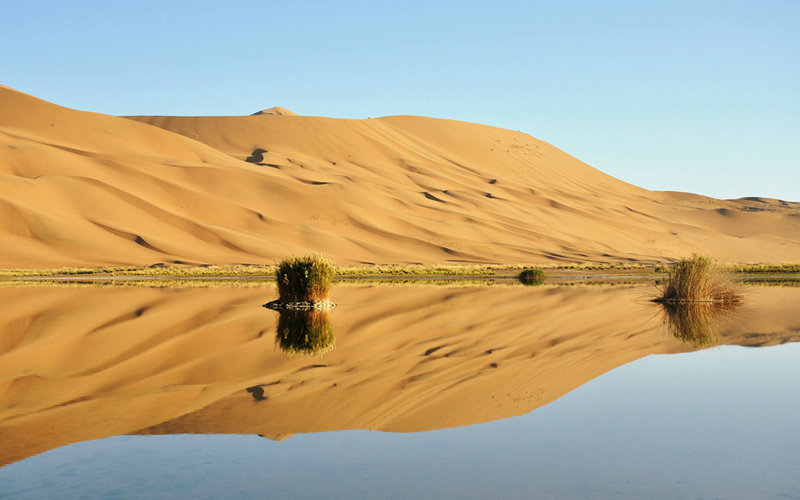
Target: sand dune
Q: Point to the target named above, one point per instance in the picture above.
(275, 110)
(89, 189)
(85, 363)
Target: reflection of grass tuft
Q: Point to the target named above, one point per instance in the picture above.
(305, 333)
(773, 282)
(304, 279)
(695, 322)
(531, 276)
(698, 279)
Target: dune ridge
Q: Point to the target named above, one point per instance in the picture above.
(275, 110)
(80, 188)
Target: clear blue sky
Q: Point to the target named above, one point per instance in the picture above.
(682, 95)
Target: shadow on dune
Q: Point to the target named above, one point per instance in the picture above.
(257, 392)
(257, 156)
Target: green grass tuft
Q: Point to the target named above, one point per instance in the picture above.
(531, 276)
(698, 279)
(305, 279)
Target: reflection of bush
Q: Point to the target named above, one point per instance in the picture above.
(531, 277)
(695, 322)
(305, 333)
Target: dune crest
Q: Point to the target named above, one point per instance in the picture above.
(83, 188)
(275, 110)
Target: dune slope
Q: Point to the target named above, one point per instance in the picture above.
(79, 188)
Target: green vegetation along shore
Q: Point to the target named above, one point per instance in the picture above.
(401, 270)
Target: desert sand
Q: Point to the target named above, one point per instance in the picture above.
(86, 363)
(81, 188)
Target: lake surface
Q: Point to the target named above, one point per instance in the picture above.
(504, 391)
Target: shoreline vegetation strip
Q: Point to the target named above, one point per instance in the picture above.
(792, 281)
(267, 272)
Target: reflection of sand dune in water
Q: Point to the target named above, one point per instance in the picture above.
(78, 364)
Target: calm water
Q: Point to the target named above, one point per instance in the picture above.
(591, 396)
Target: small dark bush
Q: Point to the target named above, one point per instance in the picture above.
(531, 277)
(304, 279)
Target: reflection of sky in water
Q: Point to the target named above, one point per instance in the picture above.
(716, 423)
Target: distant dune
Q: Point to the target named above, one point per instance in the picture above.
(83, 188)
(275, 110)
